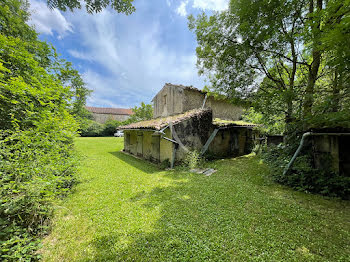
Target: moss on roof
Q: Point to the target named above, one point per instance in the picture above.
(225, 123)
(159, 123)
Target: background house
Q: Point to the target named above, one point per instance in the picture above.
(102, 114)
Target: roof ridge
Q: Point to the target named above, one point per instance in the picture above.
(109, 110)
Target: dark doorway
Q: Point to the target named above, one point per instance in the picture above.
(344, 155)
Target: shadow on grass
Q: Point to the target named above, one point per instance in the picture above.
(140, 164)
(227, 217)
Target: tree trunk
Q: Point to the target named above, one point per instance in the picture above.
(337, 83)
(316, 61)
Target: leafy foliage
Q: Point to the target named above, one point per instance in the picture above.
(193, 160)
(268, 124)
(143, 112)
(286, 57)
(41, 99)
(121, 6)
(36, 166)
(110, 127)
(289, 60)
(303, 177)
(91, 128)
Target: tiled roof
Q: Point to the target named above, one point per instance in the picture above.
(159, 123)
(110, 110)
(228, 123)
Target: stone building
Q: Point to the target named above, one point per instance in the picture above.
(102, 114)
(185, 120)
(177, 99)
(331, 151)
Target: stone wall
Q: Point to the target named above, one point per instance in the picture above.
(172, 100)
(193, 133)
(148, 145)
(168, 101)
(326, 152)
(221, 108)
(102, 118)
(224, 110)
(235, 141)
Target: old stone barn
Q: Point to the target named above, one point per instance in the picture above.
(185, 119)
(102, 114)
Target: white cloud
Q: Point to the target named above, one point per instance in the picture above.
(217, 5)
(46, 21)
(181, 10)
(79, 55)
(133, 63)
(168, 3)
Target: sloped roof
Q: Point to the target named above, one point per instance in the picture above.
(228, 123)
(161, 122)
(110, 110)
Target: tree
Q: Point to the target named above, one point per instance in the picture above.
(271, 52)
(143, 112)
(92, 6)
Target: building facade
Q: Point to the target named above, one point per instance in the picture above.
(177, 99)
(102, 114)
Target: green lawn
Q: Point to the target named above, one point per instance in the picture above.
(125, 209)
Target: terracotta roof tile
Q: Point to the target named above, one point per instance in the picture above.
(159, 123)
(110, 110)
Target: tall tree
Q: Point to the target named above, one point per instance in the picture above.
(272, 50)
(142, 112)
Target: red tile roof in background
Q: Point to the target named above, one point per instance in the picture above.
(110, 110)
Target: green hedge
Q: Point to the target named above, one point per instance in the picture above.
(35, 167)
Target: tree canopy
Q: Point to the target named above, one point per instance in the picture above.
(93, 6)
(287, 57)
(142, 112)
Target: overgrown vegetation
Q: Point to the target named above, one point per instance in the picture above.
(42, 102)
(303, 176)
(91, 128)
(288, 60)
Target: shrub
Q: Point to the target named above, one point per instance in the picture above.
(39, 96)
(91, 128)
(36, 167)
(110, 127)
(193, 160)
(302, 176)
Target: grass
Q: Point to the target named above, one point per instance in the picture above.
(125, 209)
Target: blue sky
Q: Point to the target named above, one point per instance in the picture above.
(127, 59)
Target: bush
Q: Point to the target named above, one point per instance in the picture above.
(36, 167)
(91, 129)
(193, 160)
(40, 96)
(302, 176)
(110, 127)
